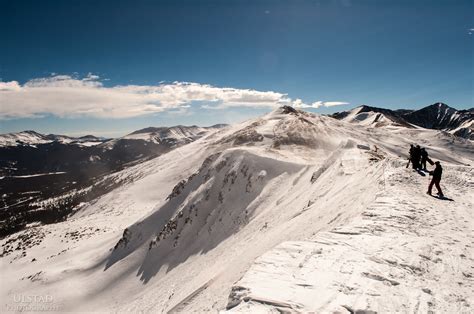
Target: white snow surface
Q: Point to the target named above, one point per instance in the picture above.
(288, 212)
(401, 254)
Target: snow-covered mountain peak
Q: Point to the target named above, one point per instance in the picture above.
(441, 108)
(90, 137)
(289, 110)
(441, 105)
(175, 135)
(437, 116)
(22, 138)
(285, 127)
(371, 117)
(443, 117)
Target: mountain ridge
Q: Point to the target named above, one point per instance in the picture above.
(290, 211)
(31, 137)
(70, 171)
(437, 116)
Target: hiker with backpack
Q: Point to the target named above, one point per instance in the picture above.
(436, 173)
(415, 157)
(410, 155)
(424, 159)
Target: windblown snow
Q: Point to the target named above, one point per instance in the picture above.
(288, 212)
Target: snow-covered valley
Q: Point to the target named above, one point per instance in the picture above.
(288, 212)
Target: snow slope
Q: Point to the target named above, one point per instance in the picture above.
(192, 226)
(406, 253)
(465, 130)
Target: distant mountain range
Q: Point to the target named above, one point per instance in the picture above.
(69, 171)
(442, 117)
(172, 135)
(438, 116)
(288, 212)
(35, 167)
(34, 138)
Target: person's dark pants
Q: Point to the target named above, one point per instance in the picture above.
(435, 182)
(423, 164)
(416, 163)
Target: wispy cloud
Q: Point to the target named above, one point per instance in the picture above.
(68, 96)
(318, 104)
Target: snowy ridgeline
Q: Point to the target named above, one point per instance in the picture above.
(406, 253)
(288, 212)
(439, 116)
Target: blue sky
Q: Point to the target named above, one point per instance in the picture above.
(392, 54)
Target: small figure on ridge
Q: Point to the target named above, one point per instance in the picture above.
(416, 157)
(410, 155)
(424, 159)
(436, 173)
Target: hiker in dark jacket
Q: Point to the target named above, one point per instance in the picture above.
(416, 157)
(436, 173)
(424, 159)
(410, 155)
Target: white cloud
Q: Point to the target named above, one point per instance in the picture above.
(318, 104)
(334, 103)
(9, 86)
(298, 103)
(69, 96)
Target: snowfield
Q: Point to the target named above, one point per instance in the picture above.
(288, 212)
(402, 253)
